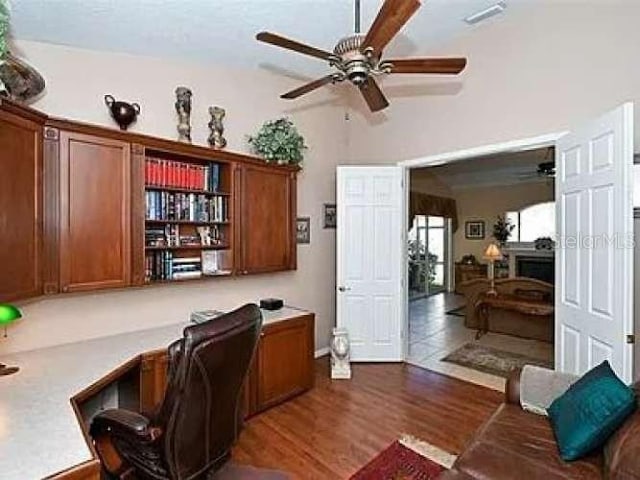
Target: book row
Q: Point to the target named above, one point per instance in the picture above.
(186, 207)
(167, 173)
(165, 266)
(171, 236)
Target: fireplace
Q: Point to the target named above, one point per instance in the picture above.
(541, 268)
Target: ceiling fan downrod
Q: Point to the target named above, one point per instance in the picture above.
(357, 16)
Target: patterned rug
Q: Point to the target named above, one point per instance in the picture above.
(406, 459)
(491, 360)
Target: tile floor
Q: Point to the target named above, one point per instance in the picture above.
(433, 334)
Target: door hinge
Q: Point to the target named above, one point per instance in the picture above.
(631, 339)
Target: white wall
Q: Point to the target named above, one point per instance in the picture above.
(77, 80)
(541, 67)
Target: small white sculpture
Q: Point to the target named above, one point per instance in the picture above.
(340, 365)
(205, 235)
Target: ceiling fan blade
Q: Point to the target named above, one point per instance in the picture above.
(450, 66)
(391, 18)
(308, 87)
(283, 42)
(373, 95)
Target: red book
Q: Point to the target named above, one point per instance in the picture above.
(201, 178)
(174, 174)
(192, 177)
(154, 172)
(184, 172)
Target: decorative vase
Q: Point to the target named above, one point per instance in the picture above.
(216, 140)
(340, 354)
(122, 112)
(183, 108)
(21, 81)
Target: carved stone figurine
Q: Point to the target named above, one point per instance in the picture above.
(205, 235)
(340, 365)
(183, 107)
(216, 140)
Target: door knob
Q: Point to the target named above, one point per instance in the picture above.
(344, 289)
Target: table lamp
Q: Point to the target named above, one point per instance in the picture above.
(8, 314)
(492, 253)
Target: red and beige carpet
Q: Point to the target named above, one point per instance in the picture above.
(406, 459)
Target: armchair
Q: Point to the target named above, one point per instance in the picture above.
(191, 435)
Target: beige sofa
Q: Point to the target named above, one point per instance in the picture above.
(503, 321)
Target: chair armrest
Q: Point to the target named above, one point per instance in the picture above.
(123, 422)
(512, 388)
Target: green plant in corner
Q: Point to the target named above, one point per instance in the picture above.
(278, 141)
(4, 34)
(502, 229)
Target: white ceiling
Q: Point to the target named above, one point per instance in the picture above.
(495, 170)
(223, 31)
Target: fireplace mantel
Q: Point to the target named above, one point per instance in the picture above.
(524, 250)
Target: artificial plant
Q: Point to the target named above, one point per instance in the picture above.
(4, 34)
(278, 141)
(502, 229)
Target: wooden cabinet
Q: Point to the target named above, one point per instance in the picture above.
(466, 271)
(153, 380)
(284, 361)
(20, 206)
(266, 215)
(282, 368)
(95, 214)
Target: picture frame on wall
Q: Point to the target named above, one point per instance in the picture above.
(303, 230)
(330, 215)
(474, 230)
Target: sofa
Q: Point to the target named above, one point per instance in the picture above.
(508, 322)
(515, 443)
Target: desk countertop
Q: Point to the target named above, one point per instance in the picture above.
(39, 432)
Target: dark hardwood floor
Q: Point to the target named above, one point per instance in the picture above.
(336, 428)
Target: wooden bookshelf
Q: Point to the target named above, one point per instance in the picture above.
(186, 198)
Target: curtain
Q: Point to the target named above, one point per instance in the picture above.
(423, 204)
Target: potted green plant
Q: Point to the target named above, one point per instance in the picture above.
(502, 230)
(4, 32)
(278, 141)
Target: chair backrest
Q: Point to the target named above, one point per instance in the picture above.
(207, 370)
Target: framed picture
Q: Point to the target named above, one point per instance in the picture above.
(330, 215)
(303, 230)
(474, 230)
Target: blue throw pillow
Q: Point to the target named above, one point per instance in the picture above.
(592, 409)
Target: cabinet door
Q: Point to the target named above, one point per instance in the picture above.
(266, 219)
(94, 212)
(285, 361)
(20, 207)
(153, 380)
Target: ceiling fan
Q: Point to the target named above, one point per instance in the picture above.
(544, 169)
(357, 57)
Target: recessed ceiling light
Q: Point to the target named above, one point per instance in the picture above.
(486, 13)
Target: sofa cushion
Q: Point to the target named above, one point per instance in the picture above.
(514, 443)
(622, 450)
(586, 415)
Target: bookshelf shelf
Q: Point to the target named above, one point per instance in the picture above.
(186, 190)
(188, 247)
(184, 222)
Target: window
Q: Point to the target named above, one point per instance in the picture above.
(533, 222)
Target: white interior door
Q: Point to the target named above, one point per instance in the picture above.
(370, 259)
(594, 259)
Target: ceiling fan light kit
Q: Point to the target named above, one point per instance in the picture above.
(358, 57)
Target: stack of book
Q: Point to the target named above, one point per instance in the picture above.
(170, 174)
(164, 266)
(186, 207)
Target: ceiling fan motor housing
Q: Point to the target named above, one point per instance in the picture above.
(356, 65)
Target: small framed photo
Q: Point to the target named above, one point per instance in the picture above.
(330, 215)
(474, 230)
(303, 230)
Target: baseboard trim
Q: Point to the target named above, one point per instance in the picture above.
(321, 352)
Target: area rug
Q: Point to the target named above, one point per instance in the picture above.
(406, 459)
(491, 360)
(458, 311)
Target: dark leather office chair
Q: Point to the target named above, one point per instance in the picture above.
(191, 435)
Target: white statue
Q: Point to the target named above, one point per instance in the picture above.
(205, 235)
(340, 366)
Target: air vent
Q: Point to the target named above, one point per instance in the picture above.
(486, 13)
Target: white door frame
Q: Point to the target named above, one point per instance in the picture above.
(520, 145)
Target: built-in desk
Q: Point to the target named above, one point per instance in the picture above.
(41, 433)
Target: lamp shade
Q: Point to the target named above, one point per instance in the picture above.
(492, 253)
(8, 313)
